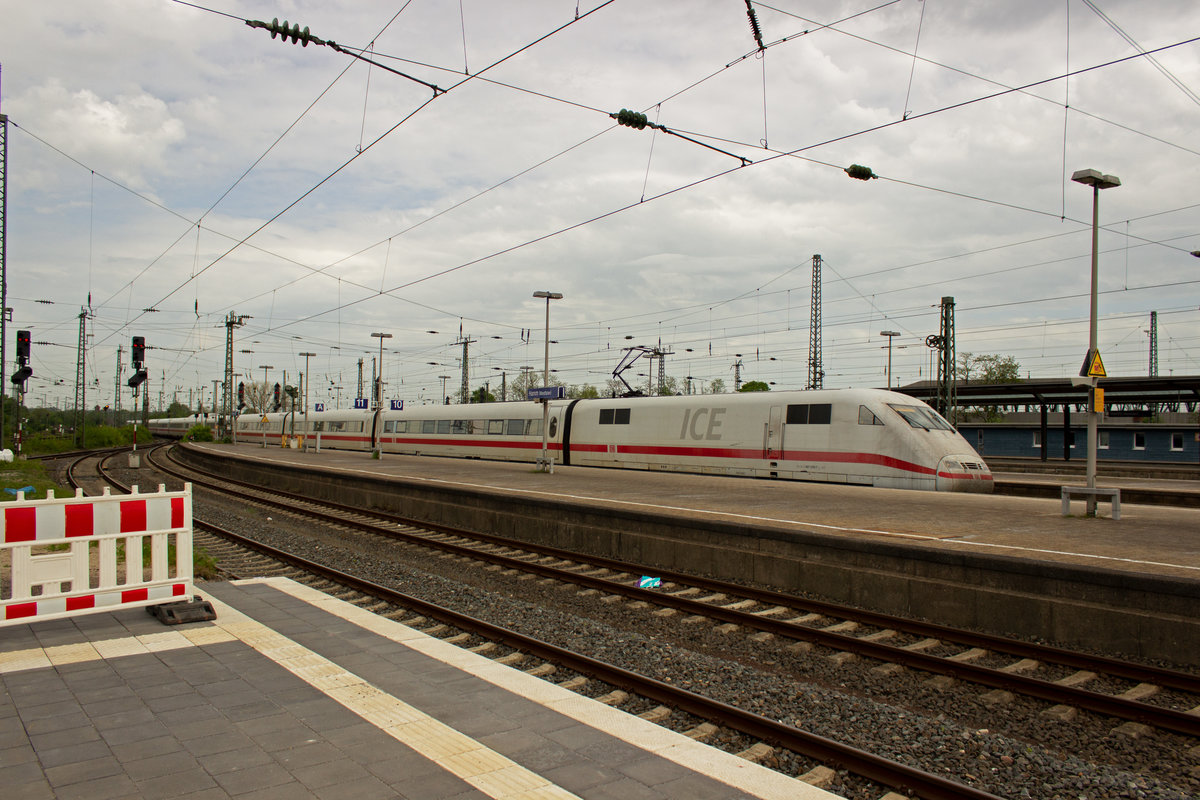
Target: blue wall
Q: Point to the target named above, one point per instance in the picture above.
(999, 439)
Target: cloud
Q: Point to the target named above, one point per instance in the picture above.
(129, 136)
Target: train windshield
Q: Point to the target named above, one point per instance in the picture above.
(919, 417)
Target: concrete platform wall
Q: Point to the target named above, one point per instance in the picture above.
(1117, 612)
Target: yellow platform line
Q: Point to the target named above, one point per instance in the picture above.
(745, 776)
(476, 764)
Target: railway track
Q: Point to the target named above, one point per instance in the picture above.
(795, 623)
(823, 755)
(1153, 696)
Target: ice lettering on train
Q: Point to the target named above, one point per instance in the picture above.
(694, 426)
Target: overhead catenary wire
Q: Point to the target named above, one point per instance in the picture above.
(381, 281)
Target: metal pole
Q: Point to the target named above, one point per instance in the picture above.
(304, 380)
(546, 402)
(1093, 178)
(1093, 339)
(545, 463)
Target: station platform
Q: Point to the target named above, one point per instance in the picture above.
(292, 694)
(1149, 540)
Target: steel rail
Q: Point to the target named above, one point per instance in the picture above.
(901, 777)
(1122, 708)
(1142, 673)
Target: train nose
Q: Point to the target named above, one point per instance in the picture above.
(963, 473)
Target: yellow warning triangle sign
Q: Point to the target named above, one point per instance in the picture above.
(1093, 365)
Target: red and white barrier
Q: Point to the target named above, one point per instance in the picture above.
(82, 555)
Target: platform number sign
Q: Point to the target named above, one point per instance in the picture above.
(360, 402)
(318, 407)
(397, 405)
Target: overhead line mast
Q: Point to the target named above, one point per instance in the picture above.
(3, 264)
(816, 372)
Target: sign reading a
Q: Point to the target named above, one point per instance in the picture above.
(318, 407)
(546, 393)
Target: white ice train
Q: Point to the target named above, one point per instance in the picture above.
(856, 436)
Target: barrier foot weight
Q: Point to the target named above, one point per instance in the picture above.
(195, 610)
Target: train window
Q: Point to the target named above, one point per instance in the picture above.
(333, 426)
(620, 418)
(443, 426)
(401, 426)
(606, 416)
(516, 427)
(389, 426)
(1103, 443)
(319, 425)
(867, 417)
(810, 414)
(479, 426)
(460, 426)
(1176, 442)
(1139, 441)
(533, 427)
(553, 427)
(429, 426)
(923, 418)
(614, 416)
(495, 426)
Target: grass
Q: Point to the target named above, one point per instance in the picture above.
(21, 473)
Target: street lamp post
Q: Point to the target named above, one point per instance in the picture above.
(378, 393)
(305, 379)
(379, 378)
(265, 368)
(891, 335)
(1098, 181)
(266, 388)
(444, 398)
(545, 464)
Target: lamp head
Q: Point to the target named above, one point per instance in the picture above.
(1093, 177)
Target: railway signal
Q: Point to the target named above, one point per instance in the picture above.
(139, 358)
(24, 371)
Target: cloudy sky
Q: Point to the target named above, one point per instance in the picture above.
(169, 165)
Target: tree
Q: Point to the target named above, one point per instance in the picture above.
(614, 388)
(755, 386)
(716, 386)
(260, 398)
(481, 395)
(989, 368)
(587, 391)
(177, 409)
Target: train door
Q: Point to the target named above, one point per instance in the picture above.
(773, 447)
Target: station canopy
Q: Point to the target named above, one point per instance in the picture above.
(1124, 393)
